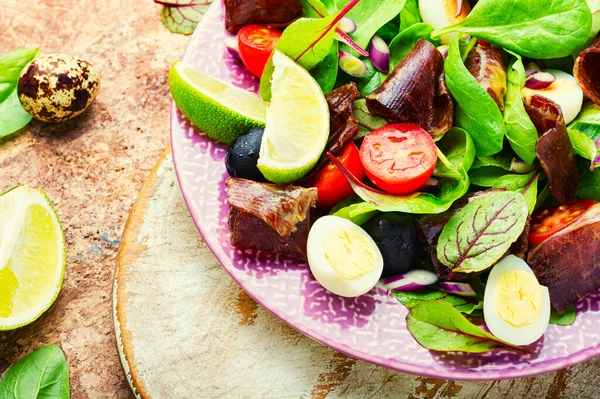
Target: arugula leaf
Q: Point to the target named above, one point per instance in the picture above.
(12, 115)
(536, 29)
(370, 16)
(463, 305)
(584, 133)
(436, 325)
(367, 121)
(520, 130)
(41, 374)
(457, 150)
(476, 112)
(182, 16)
(524, 184)
(410, 14)
(406, 40)
(480, 233)
(566, 319)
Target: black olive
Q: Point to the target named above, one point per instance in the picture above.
(242, 156)
(396, 237)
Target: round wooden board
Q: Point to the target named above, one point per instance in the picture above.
(186, 330)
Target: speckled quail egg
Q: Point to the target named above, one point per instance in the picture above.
(343, 257)
(57, 87)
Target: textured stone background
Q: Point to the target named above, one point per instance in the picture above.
(91, 167)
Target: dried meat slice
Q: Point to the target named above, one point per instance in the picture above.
(587, 71)
(340, 103)
(488, 66)
(270, 217)
(275, 13)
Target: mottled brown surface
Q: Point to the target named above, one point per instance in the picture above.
(91, 167)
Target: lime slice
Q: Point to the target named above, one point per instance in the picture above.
(220, 110)
(297, 123)
(32, 256)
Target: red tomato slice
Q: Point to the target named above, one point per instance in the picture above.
(331, 183)
(256, 43)
(399, 158)
(546, 223)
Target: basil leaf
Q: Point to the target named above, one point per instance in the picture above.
(325, 73)
(524, 184)
(367, 121)
(536, 29)
(410, 14)
(480, 233)
(463, 305)
(436, 325)
(476, 112)
(41, 374)
(369, 16)
(459, 152)
(406, 40)
(566, 319)
(182, 16)
(584, 133)
(520, 130)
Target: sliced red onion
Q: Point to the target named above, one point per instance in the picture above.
(344, 38)
(347, 25)
(460, 289)
(380, 54)
(352, 65)
(231, 43)
(519, 166)
(540, 80)
(413, 280)
(443, 49)
(532, 68)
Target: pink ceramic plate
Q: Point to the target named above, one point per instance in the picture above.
(371, 327)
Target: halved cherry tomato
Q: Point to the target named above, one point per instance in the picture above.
(484, 43)
(331, 183)
(399, 158)
(256, 43)
(548, 222)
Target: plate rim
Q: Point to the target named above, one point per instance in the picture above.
(466, 374)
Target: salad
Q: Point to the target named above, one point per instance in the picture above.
(444, 150)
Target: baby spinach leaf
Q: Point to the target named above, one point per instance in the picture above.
(369, 16)
(12, 115)
(41, 374)
(406, 40)
(589, 184)
(536, 29)
(437, 326)
(458, 151)
(326, 71)
(389, 31)
(367, 121)
(365, 85)
(462, 304)
(584, 133)
(486, 176)
(566, 318)
(182, 16)
(520, 130)
(502, 160)
(476, 112)
(317, 8)
(479, 234)
(410, 14)
(524, 184)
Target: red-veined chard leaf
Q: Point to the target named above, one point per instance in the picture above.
(437, 326)
(481, 233)
(472, 307)
(182, 16)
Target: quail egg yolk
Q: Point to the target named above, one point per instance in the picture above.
(349, 253)
(518, 298)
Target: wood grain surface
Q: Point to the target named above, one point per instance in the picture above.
(216, 342)
(91, 167)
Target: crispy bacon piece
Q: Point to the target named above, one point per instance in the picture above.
(270, 217)
(587, 71)
(275, 13)
(568, 263)
(554, 148)
(487, 65)
(416, 92)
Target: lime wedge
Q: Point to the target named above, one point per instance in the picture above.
(32, 256)
(220, 110)
(297, 123)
